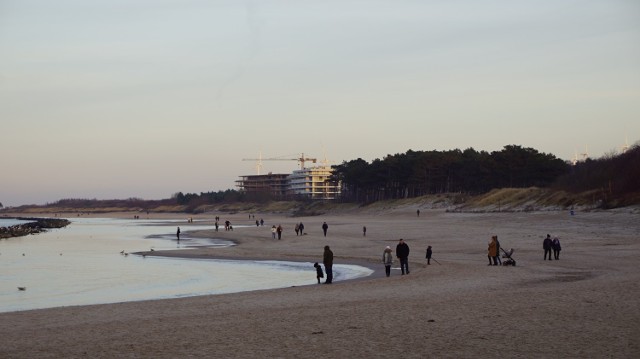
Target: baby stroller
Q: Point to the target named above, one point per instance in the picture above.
(509, 259)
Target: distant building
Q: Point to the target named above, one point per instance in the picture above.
(275, 185)
(307, 183)
(313, 183)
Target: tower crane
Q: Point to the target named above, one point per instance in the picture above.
(302, 159)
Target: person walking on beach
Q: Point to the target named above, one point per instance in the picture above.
(492, 251)
(279, 231)
(325, 226)
(498, 251)
(402, 252)
(418, 213)
(555, 244)
(301, 227)
(429, 253)
(297, 228)
(387, 260)
(273, 231)
(364, 231)
(178, 234)
(546, 245)
(327, 260)
(319, 273)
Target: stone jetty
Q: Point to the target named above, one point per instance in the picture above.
(34, 226)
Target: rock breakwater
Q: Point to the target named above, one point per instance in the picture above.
(34, 226)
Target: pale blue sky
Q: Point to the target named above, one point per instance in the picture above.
(124, 98)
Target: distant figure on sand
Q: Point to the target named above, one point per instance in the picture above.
(297, 229)
(418, 213)
(498, 250)
(273, 231)
(387, 260)
(429, 253)
(402, 252)
(492, 251)
(319, 273)
(279, 231)
(555, 244)
(327, 260)
(325, 226)
(178, 233)
(546, 245)
(364, 231)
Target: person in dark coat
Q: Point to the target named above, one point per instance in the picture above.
(327, 260)
(325, 226)
(178, 233)
(546, 245)
(402, 252)
(555, 245)
(319, 273)
(429, 253)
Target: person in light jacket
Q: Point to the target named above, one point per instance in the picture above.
(387, 260)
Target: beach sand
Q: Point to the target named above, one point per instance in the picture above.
(585, 305)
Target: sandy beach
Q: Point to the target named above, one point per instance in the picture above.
(584, 305)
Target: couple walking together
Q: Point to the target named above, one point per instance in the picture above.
(402, 252)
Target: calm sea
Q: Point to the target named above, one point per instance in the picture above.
(8, 222)
(81, 264)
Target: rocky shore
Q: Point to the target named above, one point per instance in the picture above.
(34, 226)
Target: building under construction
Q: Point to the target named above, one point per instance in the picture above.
(306, 183)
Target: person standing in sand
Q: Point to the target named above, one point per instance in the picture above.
(319, 273)
(498, 251)
(429, 253)
(546, 245)
(325, 226)
(387, 259)
(273, 231)
(402, 252)
(279, 230)
(178, 234)
(555, 244)
(492, 251)
(327, 260)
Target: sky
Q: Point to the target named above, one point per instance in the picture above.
(113, 99)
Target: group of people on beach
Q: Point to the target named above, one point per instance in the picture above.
(551, 245)
(402, 253)
(327, 260)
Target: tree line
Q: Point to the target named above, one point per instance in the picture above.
(419, 173)
(613, 179)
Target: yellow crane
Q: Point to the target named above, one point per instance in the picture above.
(302, 159)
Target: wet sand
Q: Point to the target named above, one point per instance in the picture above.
(583, 305)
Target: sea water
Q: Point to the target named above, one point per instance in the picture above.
(84, 263)
(8, 222)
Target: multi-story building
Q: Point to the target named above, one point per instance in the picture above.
(313, 183)
(306, 183)
(273, 184)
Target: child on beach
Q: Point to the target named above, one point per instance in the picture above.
(319, 272)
